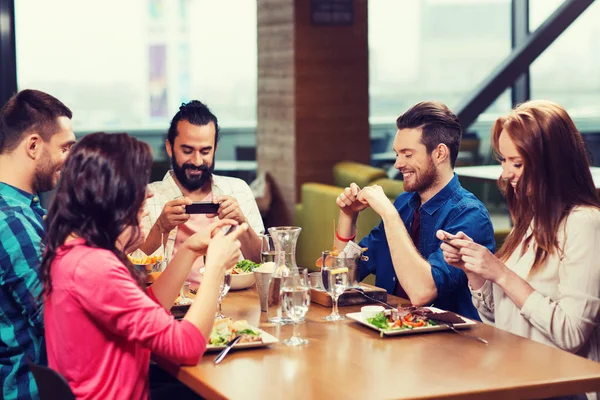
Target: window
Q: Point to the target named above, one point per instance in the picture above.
(128, 65)
(568, 71)
(434, 50)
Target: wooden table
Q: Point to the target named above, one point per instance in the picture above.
(493, 172)
(348, 360)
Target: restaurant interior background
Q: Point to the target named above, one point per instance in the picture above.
(128, 65)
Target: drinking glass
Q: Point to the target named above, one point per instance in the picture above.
(267, 250)
(183, 292)
(295, 300)
(335, 281)
(223, 292)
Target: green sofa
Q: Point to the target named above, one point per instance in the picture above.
(317, 210)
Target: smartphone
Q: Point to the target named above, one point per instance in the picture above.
(447, 240)
(231, 229)
(202, 207)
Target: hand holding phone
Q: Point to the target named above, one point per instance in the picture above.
(446, 238)
(202, 207)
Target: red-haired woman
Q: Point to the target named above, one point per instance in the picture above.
(544, 283)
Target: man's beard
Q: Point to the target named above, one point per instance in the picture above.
(193, 183)
(424, 180)
(44, 174)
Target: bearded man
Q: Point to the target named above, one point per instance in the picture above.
(36, 136)
(403, 250)
(191, 144)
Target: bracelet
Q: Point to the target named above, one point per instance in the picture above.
(341, 239)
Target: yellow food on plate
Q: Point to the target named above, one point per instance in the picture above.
(145, 260)
(152, 276)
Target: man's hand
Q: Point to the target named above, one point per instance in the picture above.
(375, 197)
(198, 242)
(348, 201)
(229, 208)
(173, 214)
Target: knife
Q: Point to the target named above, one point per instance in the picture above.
(228, 347)
(450, 326)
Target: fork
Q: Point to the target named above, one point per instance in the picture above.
(362, 291)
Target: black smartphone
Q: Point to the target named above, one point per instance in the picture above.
(202, 207)
(447, 241)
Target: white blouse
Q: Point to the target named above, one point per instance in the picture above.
(565, 306)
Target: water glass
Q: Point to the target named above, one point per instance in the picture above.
(335, 281)
(267, 250)
(224, 289)
(183, 292)
(295, 300)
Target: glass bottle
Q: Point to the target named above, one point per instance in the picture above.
(284, 239)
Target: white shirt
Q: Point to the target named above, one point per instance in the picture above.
(167, 190)
(564, 308)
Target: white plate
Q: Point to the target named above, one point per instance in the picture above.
(358, 317)
(267, 340)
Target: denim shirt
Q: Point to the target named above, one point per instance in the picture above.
(452, 209)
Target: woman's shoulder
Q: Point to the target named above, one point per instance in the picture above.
(582, 214)
(87, 259)
(583, 219)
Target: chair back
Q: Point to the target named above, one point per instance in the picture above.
(51, 384)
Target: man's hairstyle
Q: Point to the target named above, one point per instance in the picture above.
(438, 124)
(196, 113)
(26, 112)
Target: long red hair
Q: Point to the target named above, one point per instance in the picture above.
(556, 175)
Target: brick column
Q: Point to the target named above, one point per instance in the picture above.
(313, 97)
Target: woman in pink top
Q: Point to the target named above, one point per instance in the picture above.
(101, 323)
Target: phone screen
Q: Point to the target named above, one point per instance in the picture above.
(203, 207)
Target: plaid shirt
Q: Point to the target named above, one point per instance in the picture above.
(21, 318)
(167, 190)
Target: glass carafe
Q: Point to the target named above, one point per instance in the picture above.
(284, 239)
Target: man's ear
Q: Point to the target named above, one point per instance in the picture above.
(33, 146)
(169, 148)
(441, 153)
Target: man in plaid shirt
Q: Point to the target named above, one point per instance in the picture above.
(191, 144)
(35, 138)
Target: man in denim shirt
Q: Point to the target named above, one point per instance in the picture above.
(403, 251)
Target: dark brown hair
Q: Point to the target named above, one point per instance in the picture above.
(438, 123)
(28, 111)
(196, 113)
(556, 175)
(101, 190)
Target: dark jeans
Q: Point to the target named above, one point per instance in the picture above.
(164, 387)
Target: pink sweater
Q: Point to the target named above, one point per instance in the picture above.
(101, 327)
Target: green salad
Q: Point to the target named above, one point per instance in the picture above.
(409, 321)
(245, 266)
(224, 330)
